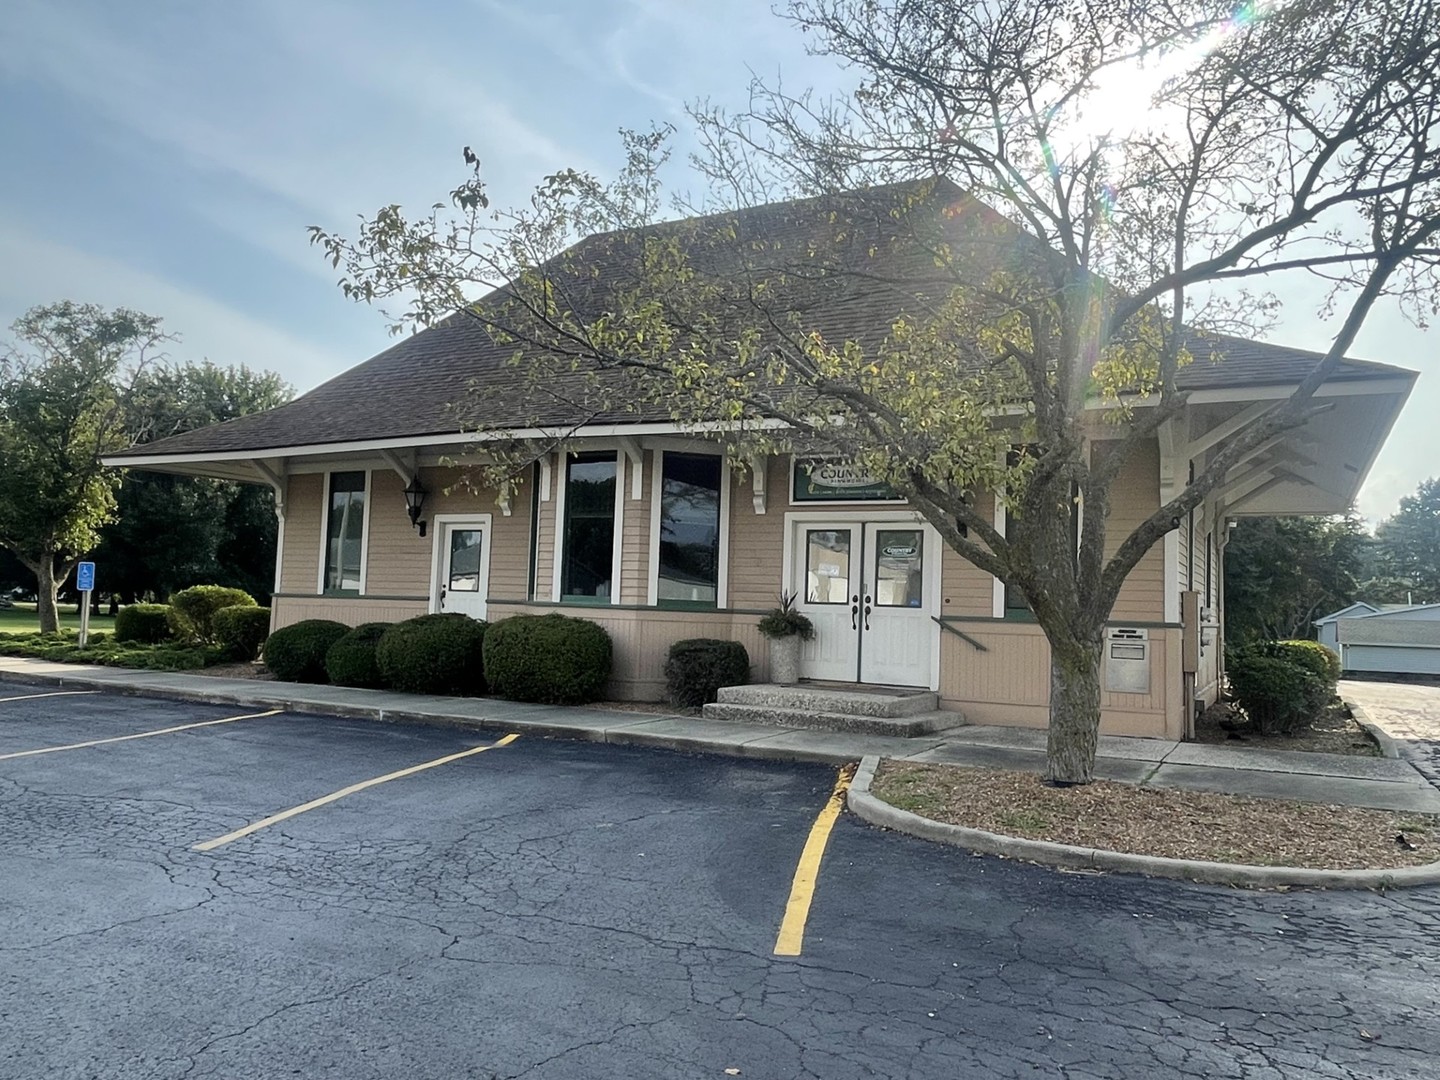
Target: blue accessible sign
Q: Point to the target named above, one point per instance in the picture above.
(85, 577)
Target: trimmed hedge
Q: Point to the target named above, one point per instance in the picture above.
(1319, 660)
(296, 653)
(148, 624)
(192, 610)
(554, 659)
(696, 668)
(1278, 692)
(434, 654)
(351, 660)
(240, 631)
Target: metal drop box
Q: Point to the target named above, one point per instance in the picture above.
(1127, 660)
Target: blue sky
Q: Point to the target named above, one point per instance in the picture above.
(169, 155)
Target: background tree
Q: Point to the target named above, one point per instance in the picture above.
(1244, 145)
(1407, 550)
(1282, 573)
(171, 532)
(63, 402)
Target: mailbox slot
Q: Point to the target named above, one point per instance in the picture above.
(1127, 660)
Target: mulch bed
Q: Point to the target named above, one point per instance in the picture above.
(1158, 821)
(241, 670)
(1333, 733)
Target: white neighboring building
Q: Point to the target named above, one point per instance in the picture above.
(1388, 639)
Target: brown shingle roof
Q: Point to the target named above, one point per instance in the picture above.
(407, 391)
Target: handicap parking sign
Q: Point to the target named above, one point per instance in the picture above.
(85, 577)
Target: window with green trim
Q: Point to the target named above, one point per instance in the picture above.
(689, 570)
(345, 532)
(587, 566)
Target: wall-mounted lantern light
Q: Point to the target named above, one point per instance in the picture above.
(415, 502)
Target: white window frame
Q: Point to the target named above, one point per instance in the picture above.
(438, 522)
(557, 556)
(722, 566)
(325, 534)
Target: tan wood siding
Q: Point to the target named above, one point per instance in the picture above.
(350, 610)
(397, 557)
(964, 588)
(304, 508)
(757, 541)
(1134, 497)
(635, 538)
(545, 553)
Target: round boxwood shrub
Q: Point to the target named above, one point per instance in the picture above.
(696, 668)
(192, 610)
(550, 658)
(1278, 694)
(145, 623)
(351, 660)
(434, 654)
(1323, 663)
(240, 631)
(296, 653)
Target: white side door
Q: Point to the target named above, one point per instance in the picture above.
(462, 566)
(827, 573)
(896, 632)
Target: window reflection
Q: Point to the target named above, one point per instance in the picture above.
(827, 566)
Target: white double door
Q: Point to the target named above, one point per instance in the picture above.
(869, 588)
(462, 565)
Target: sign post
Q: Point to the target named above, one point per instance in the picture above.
(85, 582)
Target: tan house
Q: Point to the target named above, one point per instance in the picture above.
(647, 530)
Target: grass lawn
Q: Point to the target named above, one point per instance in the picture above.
(22, 619)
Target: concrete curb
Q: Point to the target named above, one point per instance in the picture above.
(877, 812)
(1388, 747)
(271, 697)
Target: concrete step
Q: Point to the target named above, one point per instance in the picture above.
(907, 727)
(881, 703)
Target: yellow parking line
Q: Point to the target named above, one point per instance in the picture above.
(802, 889)
(285, 815)
(141, 735)
(52, 693)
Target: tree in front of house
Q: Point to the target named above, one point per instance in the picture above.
(171, 532)
(1049, 303)
(63, 403)
(1407, 550)
(1282, 573)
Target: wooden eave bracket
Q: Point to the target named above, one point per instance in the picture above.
(630, 447)
(757, 483)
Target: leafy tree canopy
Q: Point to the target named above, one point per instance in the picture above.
(1052, 302)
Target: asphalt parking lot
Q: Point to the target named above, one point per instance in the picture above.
(550, 909)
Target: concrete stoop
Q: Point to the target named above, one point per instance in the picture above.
(904, 713)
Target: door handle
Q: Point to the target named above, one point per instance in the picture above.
(867, 614)
(855, 612)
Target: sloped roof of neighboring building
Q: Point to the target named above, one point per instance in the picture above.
(408, 391)
(1347, 612)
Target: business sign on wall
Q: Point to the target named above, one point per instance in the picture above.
(834, 480)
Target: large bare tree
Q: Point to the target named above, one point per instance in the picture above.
(1063, 195)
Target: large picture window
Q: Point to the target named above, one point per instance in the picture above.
(689, 568)
(587, 565)
(345, 532)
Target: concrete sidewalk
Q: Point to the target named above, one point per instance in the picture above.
(1381, 783)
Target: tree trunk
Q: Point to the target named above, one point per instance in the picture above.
(47, 595)
(1074, 710)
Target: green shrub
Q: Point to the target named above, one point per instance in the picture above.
(296, 653)
(551, 658)
(1320, 661)
(146, 623)
(351, 661)
(1279, 694)
(192, 611)
(697, 667)
(434, 654)
(240, 631)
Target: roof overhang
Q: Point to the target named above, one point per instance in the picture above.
(1317, 468)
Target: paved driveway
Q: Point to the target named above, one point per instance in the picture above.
(568, 910)
(1408, 713)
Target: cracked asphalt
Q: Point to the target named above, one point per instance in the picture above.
(554, 909)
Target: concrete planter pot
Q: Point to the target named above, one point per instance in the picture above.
(785, 659)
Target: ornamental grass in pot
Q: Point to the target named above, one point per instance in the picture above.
(786, 628)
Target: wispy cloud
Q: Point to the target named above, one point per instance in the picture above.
(209, 329)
